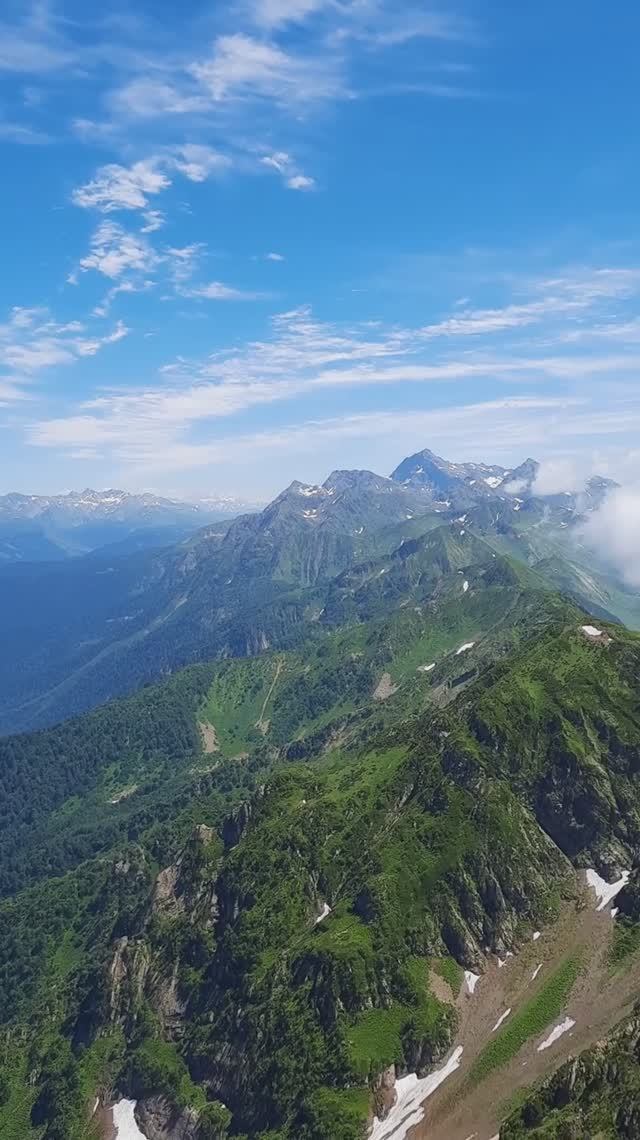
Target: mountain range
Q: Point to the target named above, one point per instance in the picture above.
(352, 885)
(79, 631)
(43, 528)
(343, 864)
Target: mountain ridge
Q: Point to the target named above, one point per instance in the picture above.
(127, 614)
(241, 923)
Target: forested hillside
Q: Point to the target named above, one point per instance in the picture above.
(233, 897)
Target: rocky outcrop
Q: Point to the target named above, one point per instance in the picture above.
(384, 1092)
(161, 1120)
(127, 976)
(601, 1085)
(188, 886)
(236, 824)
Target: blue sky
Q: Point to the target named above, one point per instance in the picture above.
(254, 241)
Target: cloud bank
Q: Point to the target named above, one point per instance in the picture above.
(614, 532)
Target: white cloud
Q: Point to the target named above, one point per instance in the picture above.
(279, 161)
(218, 291)
(117, 187)
(91, 346)
(274, 257)
(130, 260)
(31, 341)
(275, 13)
(567, 408)
(285, 165)
(103, 307)
(303, 356)
(569, 296)
(197, 162)
(32, 46)
(147, 97)
(12, 390)
(300, 182)
(242, 68)
(153, 220)
(22, 133)
(614, 532)
(183, 262)
(384, 25)
(122, 188)
(560, 474)
(115, 251)
(149, 437)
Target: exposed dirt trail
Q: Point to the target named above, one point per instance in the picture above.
(598, 1000)
(261, 723)
(209, 737)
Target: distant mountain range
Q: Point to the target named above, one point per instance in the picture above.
(53, 527)
(79, 631)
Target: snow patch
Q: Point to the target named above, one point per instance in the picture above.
(471, 980)
(605, 891)
(465, 587)
(536, 972)
(411, 1092)
(493, 480)
(556, 1032)
(463, 648)
(426, 668)
(591, 631)
(124, 1121)
(503, 1017)
(536, 935)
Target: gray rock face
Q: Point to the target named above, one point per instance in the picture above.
(160, 1120)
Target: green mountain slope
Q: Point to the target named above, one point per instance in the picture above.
(196, 917)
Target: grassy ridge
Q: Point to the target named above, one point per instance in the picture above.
(529, 1021)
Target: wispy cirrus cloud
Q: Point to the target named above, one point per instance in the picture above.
(219, 291)
(23, 134)
(31, 42)
(304, 357)
(32, 341)
(284, 165)
(242, 67)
